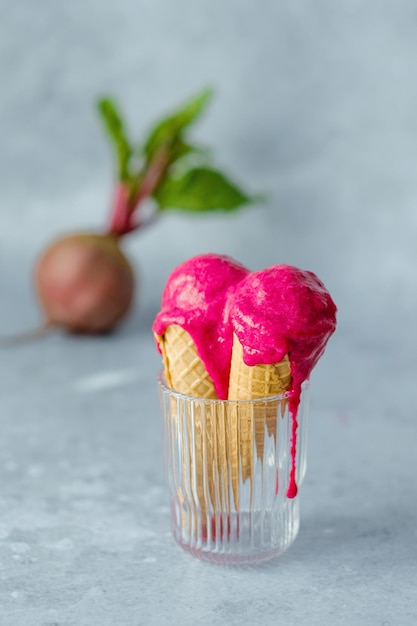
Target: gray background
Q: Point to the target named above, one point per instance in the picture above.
(315, 104)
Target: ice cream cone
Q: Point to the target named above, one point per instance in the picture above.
(186, 373)
(250, 383)
(184, 370)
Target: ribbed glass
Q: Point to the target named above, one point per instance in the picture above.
(228, 465)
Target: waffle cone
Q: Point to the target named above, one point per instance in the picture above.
(250, 383)
(185, 372)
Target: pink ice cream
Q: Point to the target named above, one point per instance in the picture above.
(194, 298)
(277, 311)
(283, 310)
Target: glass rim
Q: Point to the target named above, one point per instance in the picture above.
(182, 396)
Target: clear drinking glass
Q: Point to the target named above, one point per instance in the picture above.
(228, 465)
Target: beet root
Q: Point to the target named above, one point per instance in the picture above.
(84, 283)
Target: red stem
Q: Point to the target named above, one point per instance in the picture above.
(152, 176)
(121, 217)
(125, 208)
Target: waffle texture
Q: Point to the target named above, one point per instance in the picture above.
(250, 383)
(257, 381)
(184, 370)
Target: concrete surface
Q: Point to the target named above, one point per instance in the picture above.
(316, 104)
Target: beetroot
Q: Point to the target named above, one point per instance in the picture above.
(84, 282)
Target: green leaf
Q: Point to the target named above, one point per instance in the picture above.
(200, 189)
(179, 150)
(168, 132)
(114, 125)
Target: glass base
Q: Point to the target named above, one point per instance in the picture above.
(236, 538)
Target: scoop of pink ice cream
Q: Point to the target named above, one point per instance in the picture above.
(283, 310)
(194, 298)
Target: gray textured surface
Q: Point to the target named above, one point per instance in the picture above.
(317, 104)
